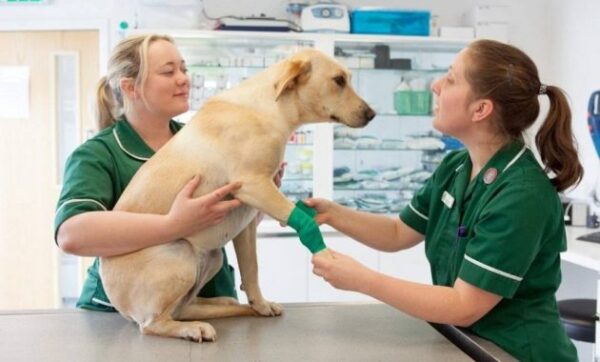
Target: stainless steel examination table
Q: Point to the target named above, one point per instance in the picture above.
(305, 332)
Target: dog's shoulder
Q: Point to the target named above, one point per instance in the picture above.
(222, 116)
(220, 106)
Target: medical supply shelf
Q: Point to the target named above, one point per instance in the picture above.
(378, 168)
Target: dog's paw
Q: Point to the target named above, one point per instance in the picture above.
(199, 332)
(266, 308)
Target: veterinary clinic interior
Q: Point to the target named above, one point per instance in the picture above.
(398, 56)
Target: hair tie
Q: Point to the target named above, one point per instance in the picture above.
(542, 89)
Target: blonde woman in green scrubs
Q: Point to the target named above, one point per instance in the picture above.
(146, 85)
(490, 215)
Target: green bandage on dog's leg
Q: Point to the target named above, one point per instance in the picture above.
(306, 227)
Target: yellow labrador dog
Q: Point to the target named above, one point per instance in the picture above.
(238, 135)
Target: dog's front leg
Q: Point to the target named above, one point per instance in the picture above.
(262, 194)
(245, 250)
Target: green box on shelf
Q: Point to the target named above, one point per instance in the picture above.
(412, 102)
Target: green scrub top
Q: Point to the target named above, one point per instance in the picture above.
(96, 175)
(502, 232)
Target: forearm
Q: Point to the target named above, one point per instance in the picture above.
(376, 231)
(108, 233)
(436, 304)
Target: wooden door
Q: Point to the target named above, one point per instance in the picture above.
(29, 158)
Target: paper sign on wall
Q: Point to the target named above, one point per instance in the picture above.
(14, 92)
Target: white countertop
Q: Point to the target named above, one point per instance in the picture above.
(583, 253)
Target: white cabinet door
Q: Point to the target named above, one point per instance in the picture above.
(282, 265)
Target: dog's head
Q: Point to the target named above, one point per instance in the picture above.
(322, 89)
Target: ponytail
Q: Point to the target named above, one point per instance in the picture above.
(508, 76)
(556, 144)
(105, 104)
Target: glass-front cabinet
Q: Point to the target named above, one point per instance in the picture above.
(378, 168)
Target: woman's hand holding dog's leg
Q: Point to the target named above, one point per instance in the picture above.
(324, 209)
(342, 271)
(189, 215)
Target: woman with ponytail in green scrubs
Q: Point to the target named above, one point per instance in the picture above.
(490, 215)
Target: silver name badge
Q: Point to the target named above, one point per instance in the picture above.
(447, 199)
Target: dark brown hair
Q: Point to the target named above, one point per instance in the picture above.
(509, 78)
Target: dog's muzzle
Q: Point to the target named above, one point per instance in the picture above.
(368, 114)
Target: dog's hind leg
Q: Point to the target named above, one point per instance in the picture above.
(168, 279)
(167, 323)
(191, 312)
(216, 301)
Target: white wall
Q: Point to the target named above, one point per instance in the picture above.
(575, 54)
(575, 66)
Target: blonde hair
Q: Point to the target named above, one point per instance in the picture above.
(128, 60)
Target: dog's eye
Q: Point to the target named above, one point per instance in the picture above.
(340, 80)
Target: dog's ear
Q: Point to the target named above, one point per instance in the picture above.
(295, 72)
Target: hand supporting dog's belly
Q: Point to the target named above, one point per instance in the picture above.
(301, 219)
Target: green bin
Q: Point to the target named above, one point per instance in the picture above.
(412, 102)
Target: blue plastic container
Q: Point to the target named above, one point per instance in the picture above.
(451, 143)
(390, 21)
(594, 119)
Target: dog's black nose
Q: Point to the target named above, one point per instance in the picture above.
(369, 114)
